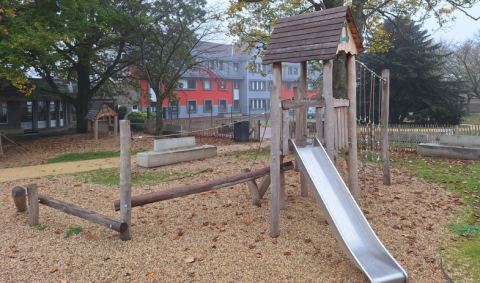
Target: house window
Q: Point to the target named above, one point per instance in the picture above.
(257, 85)
(220, 65)
(257, 104)
(312, 86)
(207, 106)
(42, 114)
(235, 67)
(207, 84)
(259, 68)
(135, 107)
(236, 85)
(288, 86)
(270, 84)
(222, 85)
(222, 105)
(3, 112)
(270, 68)
(191, 106)
(290, 70)
(295, 71)
(211, 65)
(190, 84)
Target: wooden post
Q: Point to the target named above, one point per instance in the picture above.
(109, 122)
(329, 108)
(385, 113)
(285, 132)
(275, 101)
(115, 125)
(1, 149)
(302, 118)
(19, 198)
(32, 204)
(298, 133)
(319, 122)
(263, 185)
(95, 129)
(125, 178)
(351, 151)
(252, 186)
(89, 125)
(282, 186)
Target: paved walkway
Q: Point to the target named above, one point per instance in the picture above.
(35, 171)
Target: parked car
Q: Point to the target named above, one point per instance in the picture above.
(311, 114)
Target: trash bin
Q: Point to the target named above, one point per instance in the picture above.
(241, 131)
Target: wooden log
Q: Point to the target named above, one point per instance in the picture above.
(352, 150)
(319, 123)
(86, 214)
(282, 187)
(263, 185)
(252, 186)
(285, 132)
(329, 107)
(384, 141)
(200, 188)
(19, 198)
(125, 179)
(275, 146)
(289, 104)
(32, 194)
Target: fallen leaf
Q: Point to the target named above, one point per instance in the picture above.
(189, 259)
(287, 253)
(54, 270)
(176, 237)
(58, 232)
(247, 222)
(150, 273)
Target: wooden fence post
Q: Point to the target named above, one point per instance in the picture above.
(1, 149)
(351, 154)
(32, 204)
(125, 178)
(19, 198)
(385, 113)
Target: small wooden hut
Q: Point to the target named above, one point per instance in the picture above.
(314, 36)
(100, 109)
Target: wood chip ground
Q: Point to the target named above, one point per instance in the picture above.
(211, 237)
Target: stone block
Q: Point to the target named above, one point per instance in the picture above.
(448, 151)
(168, 144)
(468, 141)
(159, 158)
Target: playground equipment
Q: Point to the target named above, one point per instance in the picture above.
(320, 36)
(98, 110)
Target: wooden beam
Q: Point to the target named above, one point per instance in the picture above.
(19, 198)
(341, 103)
(252, 186)
(11, 141)
(285, 131)
(32, 194)
(384, 122)
(1, 149)
(125, 179)
(95, 130)
(86, 214)
(200, 188)
(302, 118)
(115, 125)
(329, 108)
(275, 146)
(263, 185)
(319, 123)
(351, 151)
(293, 104)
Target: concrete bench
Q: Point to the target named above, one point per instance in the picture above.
(467, 141)
(170, 151)
(448, 151)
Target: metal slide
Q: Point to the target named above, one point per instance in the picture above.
(348, 224)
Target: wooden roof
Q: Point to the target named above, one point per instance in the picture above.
(312, 36)
(100, 109)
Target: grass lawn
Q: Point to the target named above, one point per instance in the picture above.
(473, 119)
(462, 248)
(70, 157)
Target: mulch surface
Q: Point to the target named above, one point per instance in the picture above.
(216, 236)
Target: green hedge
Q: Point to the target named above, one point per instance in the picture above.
(136, 127)
(139, 116)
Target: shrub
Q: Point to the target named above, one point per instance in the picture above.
(140, 116)
(122, 111)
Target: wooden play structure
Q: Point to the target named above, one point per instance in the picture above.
(313, 36)
(98, 110)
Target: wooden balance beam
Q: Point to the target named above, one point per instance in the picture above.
(203, 187)
(34, 199)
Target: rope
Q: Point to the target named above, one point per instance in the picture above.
(372, 72)
(208, 129)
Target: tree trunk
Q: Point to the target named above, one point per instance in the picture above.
(81, 111)
(159, 118)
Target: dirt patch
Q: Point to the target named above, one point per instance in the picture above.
(217, 236)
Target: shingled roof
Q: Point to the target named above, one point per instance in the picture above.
(311, 36)
(98, 106)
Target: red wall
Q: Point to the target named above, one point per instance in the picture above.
(289, 93)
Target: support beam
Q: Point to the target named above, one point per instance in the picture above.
(275, 99)
(289, 104)
(384, 122)
(95, 129)
(115, 125)
(252, 186)
(1, 149)
(263, 185)
(329, 130)
(351, 157)
(32, 194)
(319, 123)
(302, 125)
(86, 214)
(125, 178)
(203, 187)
